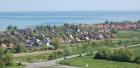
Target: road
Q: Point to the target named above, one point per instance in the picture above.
(53, 63)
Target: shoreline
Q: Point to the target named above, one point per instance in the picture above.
(62, 23)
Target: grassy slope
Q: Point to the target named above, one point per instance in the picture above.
(95, 63)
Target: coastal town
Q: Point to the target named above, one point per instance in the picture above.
(67, 33)
(68, 40)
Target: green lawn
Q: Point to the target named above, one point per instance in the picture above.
(96, 63)
(13, 67)
(40, 57)
(136, 50)
(33, 58)
(128, 34)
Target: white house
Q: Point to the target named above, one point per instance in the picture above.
(87, 38)
(38, 42)
(47, 41)
(28, 43)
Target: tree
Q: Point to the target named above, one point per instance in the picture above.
(56, 42)
(9, 27)
(107, 22)
(14, 28)
(67, 51)
(113, 31)
(138, 21)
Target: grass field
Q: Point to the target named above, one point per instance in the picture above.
(136, 50)
(96, 63)
(128, 34)
(14, 67)
(40, 56)
(33, 58)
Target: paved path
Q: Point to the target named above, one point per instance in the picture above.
(53, 64)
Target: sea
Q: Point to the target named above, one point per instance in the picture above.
(31, 19)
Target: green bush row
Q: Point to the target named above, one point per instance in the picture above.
(122, 54)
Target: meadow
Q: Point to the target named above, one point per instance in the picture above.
(128, 34)
(97, 63)
(136, 50)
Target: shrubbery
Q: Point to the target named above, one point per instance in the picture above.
(44, 47)
(54, 55)
(122, 54)
(6, 58)
(56, 42)
(19, 49)
(137, 60)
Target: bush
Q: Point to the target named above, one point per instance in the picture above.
(20, 49)
(44, 47)
(19, 63)
(65, 62)
(2, 64)
(137, 60)
(51, 57)
(115, 54)
(104, 54)
(55, 55)
(34, 49)
(60, 53)
(29, 59)
(122, 55)
(90, 53)
(6, 58)
(9, 59)
(56, 42)
(80, 55)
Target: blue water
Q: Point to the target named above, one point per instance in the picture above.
(27, 19)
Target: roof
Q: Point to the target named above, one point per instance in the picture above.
(3, 45)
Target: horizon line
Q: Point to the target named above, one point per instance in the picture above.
(77, 11)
